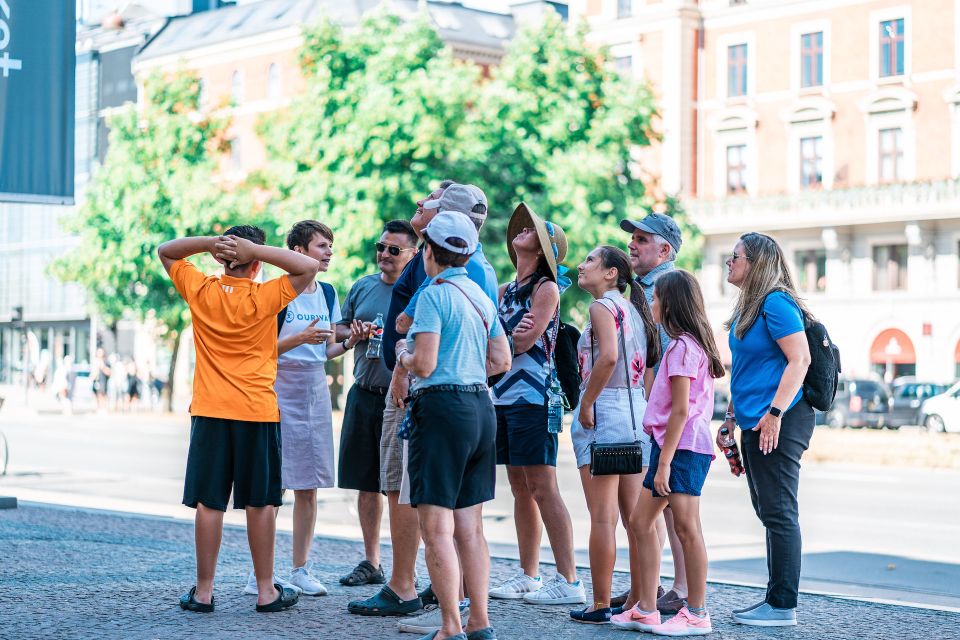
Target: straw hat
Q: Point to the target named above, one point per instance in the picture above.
(553, 242)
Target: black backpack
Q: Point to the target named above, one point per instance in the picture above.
(566, 360)
(823, 375)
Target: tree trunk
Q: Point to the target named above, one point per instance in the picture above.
(173, 367)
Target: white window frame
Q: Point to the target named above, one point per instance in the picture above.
(737, 126)
(631, 49)
(882, 15)
(723, 44)
(274, 66)
(237, 79)
(797, 32)
(809, 118)
(890, 108)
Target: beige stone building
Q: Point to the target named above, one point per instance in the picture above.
(832, 125)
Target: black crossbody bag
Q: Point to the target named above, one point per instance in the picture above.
(616, 458)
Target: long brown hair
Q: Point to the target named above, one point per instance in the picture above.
(768, 272)
(615, 258)
(682, 311)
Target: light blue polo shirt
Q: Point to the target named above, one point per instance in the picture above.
(478, 269)
(444, 310)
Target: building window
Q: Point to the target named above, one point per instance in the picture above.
(201, 92)
(236, 87)
(811, 162)
(811, 59)
(737, 70)
(236, 161)
(624, 8)
(274, 88)
(890, 154)
(890, 267)
(623, 65)
(891, 48)
(811, 270)
(737, 169)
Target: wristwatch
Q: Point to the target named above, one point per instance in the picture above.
(776, 413)
(344, 344)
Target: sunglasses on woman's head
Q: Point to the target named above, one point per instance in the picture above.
(394, 250)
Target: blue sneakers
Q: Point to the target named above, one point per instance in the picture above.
(766, 616)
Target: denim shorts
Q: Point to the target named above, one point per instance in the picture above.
(688, 471)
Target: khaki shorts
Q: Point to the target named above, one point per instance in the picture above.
(391, 451)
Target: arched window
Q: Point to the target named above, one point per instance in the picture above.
(274, 82)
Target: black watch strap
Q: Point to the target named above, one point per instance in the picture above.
(776, 413)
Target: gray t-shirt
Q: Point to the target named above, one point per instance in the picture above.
(369, 296)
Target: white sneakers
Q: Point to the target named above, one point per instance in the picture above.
(251, 588)
(515, 588)
(558, 591)
(302, 578)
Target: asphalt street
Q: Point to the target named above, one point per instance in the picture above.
(879, 532)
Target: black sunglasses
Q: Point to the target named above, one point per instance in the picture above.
(394, 251)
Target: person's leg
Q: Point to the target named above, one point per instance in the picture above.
(643, 524)
(208, 531)
(261, 533)
(541, 484)
(437, 526)
(526, 517)
(627, 492)
(686, 521)
(676, 551)
(601, 496)
(405, 539)
(370, 508)
(474, 561)
(304, 524)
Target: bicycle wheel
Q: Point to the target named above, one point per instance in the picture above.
(4, 454)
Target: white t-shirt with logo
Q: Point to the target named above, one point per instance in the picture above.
(300, 313)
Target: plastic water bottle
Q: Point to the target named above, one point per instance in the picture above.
(555, 407)
(731, 451)
(375, 344)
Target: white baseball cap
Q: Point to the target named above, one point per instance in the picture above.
(450, 225)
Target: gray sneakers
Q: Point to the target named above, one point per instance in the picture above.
(766, 616)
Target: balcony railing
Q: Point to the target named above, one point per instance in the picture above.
(835, 207)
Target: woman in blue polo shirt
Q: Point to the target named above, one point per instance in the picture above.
(770, 360)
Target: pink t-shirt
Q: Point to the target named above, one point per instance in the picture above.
(683, 357)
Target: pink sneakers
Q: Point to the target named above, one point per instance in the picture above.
(684, 624)
(635, 621)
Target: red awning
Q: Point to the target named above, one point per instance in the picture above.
(893, 345)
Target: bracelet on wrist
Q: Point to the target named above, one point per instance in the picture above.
(345, 346)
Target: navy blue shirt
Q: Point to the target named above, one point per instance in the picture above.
(403, 289)
(758, 361)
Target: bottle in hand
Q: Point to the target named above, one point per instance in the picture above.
(731, 451)
(375, 343)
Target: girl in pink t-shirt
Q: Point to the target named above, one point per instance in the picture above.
(678, 418)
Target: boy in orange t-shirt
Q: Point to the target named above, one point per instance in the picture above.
(235, 424)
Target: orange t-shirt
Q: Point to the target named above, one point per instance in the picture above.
(235, 336)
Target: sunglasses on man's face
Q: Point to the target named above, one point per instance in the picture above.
(394, 250)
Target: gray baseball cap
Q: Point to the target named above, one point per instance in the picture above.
(657, 224)
(461, 198)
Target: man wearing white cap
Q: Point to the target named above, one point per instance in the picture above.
(455, 342)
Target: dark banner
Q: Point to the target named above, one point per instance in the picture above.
(37, 59)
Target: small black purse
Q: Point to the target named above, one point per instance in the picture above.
(616, 458)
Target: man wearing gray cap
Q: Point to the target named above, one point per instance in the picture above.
(654, 244)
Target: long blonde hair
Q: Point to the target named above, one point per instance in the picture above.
(768, 272)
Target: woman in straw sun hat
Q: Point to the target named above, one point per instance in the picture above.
(528, 310)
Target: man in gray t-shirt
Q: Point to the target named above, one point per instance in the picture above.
(359, 466)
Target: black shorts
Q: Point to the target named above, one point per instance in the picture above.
(522, 436)
(233, 454)
(452, 458)
(359, 466)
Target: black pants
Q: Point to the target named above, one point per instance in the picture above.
(774, 480)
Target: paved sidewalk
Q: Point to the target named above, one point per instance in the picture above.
(68, 573)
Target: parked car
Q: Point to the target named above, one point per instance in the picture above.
(860, 403)
(942, 412)
(908, 396)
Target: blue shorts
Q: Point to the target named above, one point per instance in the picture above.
(522, 436)
(688, 471)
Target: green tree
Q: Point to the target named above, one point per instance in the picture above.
(379, 124)
(158, 182)
(559, 128)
